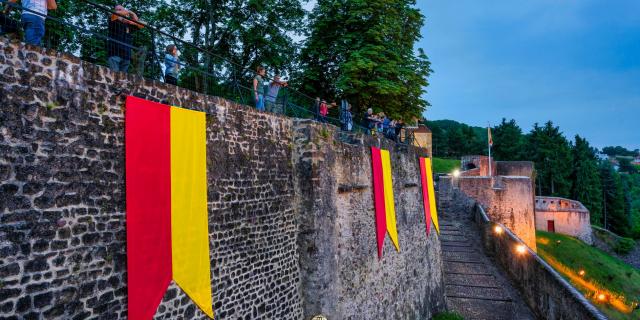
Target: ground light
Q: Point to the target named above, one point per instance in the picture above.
(581, 273)
(602, 297)
(456, 173)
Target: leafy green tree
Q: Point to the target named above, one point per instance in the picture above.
(364, 51)
(551, 152)
(586, 185)
(619, 151)
(507, 141)
(626, 166)
(614, 215)
(631, 184)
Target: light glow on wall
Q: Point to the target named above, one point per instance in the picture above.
(592, 290)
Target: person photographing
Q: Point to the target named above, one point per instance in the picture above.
(121, 26)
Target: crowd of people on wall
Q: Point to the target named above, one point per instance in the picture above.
(123, 23)
(381, 124)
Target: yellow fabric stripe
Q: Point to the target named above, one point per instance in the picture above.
(189, 215)
(432, 194)
(389, 205)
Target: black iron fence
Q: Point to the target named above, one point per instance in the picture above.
(122, 41)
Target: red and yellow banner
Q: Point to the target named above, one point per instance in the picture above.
(428, 194)
(383, 198)
(166, 192)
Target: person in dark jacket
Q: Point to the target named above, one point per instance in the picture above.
(120, 38)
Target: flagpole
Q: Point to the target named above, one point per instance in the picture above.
(489, 143)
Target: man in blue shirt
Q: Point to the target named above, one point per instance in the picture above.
(33, 18)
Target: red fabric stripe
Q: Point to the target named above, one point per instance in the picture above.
(148, 192)
(425, 194)
(378, 192)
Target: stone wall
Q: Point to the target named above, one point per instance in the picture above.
(289, 207)
(508, 199)
(546, 292)
(569, 217)
(63, 237)
(345, 279)
(515, 168)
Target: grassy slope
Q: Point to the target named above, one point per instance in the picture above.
(601, 269)
(445, 165)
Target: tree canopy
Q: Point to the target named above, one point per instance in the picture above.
(364, 51)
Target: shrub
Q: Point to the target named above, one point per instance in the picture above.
(624, 246)
(447, 316)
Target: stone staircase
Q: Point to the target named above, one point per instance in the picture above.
(474, 286)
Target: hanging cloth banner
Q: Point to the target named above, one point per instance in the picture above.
(428, 194)
(390, 210)
(166, 194)
(383, 198)
(425, 194)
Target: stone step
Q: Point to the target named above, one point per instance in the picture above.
(458, 248)
(472, 309)
(465, 268)
(451, 232)
(480, 293)
(461, 256)
(486, 281)
(446, 237)
(454, 243)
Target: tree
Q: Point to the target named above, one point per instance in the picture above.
(614, 200)
(364, 51)
(586, 185)
(626, 166)
(507, 141)
(551, 152)
(619, 151)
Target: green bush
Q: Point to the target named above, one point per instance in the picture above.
(447, 316)
(624, 246)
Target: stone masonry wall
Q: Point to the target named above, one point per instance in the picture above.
(342, 276)
(547, 293)
(569, 217)
(62, 192)
(508, 200)
(291, 220)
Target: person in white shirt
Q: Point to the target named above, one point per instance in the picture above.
(33, 18)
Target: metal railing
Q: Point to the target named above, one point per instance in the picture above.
(143, 45)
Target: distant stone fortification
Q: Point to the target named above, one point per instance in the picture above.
(564, 216)
(507, 194)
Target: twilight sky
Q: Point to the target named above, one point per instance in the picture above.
(575, 62)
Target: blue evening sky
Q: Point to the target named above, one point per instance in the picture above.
(575, 62)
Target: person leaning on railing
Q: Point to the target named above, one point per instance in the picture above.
(121, 26)
(171, 65)
(272, 94)
(258, 88)
(33, 18)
